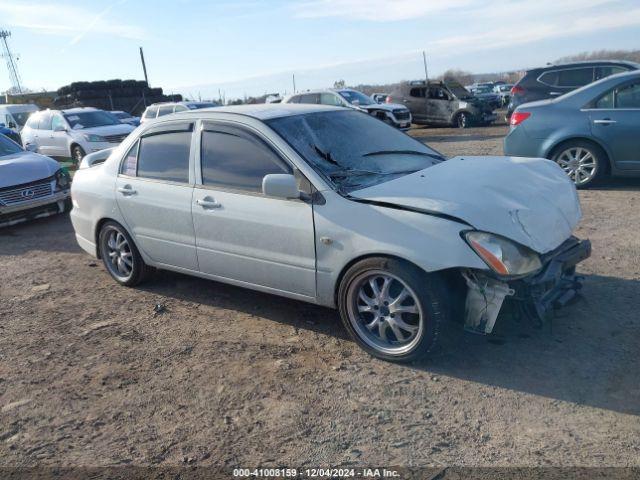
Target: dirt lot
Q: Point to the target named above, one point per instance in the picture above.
(90, 375)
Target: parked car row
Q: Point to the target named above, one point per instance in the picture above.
(590, 132)
(396, 115)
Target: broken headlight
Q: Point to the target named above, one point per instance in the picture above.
(503, 256)
(63, 179)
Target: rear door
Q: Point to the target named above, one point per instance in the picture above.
(154, 191)
(438, 106)
(241, 234)
(615, 121)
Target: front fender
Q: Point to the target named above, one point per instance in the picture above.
(347, 230)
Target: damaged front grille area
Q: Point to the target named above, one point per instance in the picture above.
(535, 296)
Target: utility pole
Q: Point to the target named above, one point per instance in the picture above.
(144, 67)
(294, 82)
(11, 63)
(426, 74)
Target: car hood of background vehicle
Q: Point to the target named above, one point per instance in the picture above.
(529, 200)
(384, 106)
(25, 167)
(107, 129)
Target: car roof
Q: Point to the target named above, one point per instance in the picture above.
(588, 63)
(262, 111)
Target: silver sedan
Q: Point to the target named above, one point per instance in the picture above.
(333, 207)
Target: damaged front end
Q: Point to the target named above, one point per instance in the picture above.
(534, 296)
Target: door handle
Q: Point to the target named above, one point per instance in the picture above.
(208, 202)
(555, 94)
(127, 190)
(604, 121)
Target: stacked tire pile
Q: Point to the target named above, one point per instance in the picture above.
(128, 95)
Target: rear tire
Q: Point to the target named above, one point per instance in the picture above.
(391, 308)
(120, 255)
(584, 162)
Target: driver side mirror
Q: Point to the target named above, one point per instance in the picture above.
(31, 147)
(280, 185)
(12, 125)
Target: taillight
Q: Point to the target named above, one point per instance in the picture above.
(517, 89)
(518, 117)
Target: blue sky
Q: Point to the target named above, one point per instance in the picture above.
(252, 47)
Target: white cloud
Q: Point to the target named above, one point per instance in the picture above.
(65, 20)
(373, 10)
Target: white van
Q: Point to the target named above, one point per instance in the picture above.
(15, 116)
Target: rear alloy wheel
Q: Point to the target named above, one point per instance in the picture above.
(77, 154)
(391, 308)
(582, 162)
(120, 255)
(462, 120)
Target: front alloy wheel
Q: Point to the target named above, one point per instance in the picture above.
(391, 308)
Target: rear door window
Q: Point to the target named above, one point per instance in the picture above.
(603, 72)
(330, 99)
(163, 156)
(165, 110)
(418, 92)
(232, 158)
(575, 77)
(628, 96)
(312, 98)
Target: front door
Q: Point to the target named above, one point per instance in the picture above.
(416, 102)
(59, 144)
(615, 121)
(43, 134)
(241, 234)
(154, 193)
(438, 106)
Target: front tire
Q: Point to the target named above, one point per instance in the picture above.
(77, 154)
(463, 120)
(121, 256)
(391, 308)
(582, 161)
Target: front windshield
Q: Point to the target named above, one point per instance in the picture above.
(355, 97)
(8, 147)
(353, 150)
(458, 90)
(95, 118)
(21, 117)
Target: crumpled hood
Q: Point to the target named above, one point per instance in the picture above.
(529, 200)
(384, 106)
(25, 167)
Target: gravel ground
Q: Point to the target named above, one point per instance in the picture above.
(91, 375)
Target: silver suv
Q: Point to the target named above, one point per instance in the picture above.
(395, 115)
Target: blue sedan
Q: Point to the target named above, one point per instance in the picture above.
(591, 132)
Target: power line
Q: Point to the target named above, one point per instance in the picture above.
(11, 63)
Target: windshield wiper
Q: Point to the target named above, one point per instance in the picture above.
(404, 152)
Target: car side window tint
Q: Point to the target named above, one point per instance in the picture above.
(180, 108)
(45, 122)
(602, 72)
(417, 92)
(165, 156)
(606, 101)
(575, 77)
(312, 98)
(628, 96)
(32, 122)
(330, 99)
(238, 161)
(151, 112)
(57, 122)
(165, 110)
(549, 78)
(130, 163)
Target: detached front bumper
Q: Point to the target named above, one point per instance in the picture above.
(535, 296)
